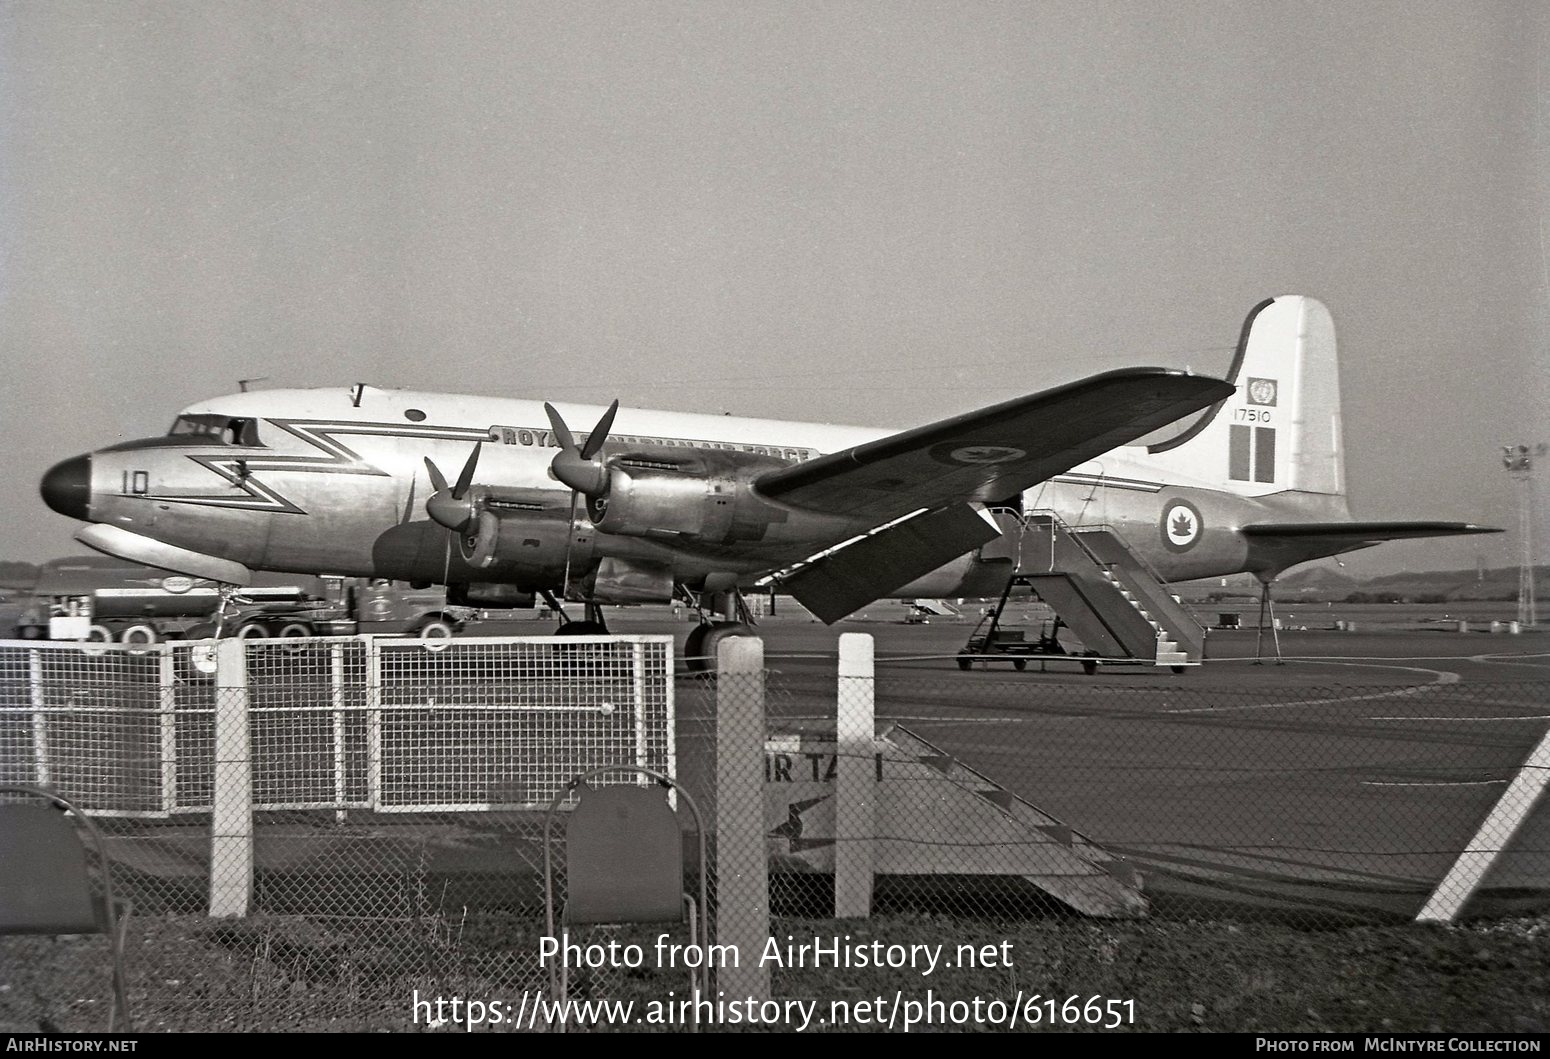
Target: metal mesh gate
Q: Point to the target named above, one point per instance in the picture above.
(392, 788)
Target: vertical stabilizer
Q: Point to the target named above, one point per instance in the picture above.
(1281, 430)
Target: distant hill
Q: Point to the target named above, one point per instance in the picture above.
(1498, 583)
(1323, 583)
(1318, 577)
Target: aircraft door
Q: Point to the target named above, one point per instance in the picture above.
(1093, 502)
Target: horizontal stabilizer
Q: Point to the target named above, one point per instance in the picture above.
(1362, 532)
(1276, 546)
(846, 580)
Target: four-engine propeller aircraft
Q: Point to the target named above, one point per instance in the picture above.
(653, 505)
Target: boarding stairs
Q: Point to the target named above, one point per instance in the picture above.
(1106, 594)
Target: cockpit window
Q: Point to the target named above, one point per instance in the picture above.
(218, 428)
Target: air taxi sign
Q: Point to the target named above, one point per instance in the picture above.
(928, 796)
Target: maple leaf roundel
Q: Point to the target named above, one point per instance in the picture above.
(1181, 525)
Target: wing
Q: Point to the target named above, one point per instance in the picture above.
(993, 453)
(1274, 546)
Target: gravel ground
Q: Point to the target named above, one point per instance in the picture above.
(1208, 976)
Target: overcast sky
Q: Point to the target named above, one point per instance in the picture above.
(876, 212)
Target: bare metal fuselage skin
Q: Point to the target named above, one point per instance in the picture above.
(311, 481)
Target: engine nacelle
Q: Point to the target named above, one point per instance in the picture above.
(706, 497)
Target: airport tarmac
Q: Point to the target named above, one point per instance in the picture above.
(1340, 783)
(1388, 645)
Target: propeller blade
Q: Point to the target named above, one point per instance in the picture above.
(561, 431)
(409, 503)
(488, 539)
(600, 432)
(438, 482)
(466, 477)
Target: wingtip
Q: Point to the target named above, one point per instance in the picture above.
(1155, 372)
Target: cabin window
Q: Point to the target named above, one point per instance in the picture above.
(414, 415)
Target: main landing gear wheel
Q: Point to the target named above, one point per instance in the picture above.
(692, 649)
(704, 640)
(587, 659)
(582, 628)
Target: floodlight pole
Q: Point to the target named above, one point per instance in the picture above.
(1519, 461)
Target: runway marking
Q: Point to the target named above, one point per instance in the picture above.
(1352, 658)
(1429, 783)
(1396, 694)
(1522, 717)
(1444, 676)
(1491, 660)
(939, 719)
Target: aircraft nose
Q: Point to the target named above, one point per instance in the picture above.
(67, 487)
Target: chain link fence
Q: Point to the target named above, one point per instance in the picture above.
(365, 817)
(354, 825)
(1314, 807)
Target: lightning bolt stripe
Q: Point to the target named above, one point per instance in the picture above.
(334, 457)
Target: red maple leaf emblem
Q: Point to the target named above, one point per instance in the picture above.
(1183, 525)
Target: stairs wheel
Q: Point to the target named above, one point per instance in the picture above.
(964, 662)
(1089, 666)
(1019, 664)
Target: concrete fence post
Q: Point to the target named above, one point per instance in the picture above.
(231, 817)
(855, 784)
(742, 865)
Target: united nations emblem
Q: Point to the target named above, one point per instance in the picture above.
(1181, 525)
(1262, 391)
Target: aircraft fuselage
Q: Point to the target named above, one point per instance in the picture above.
(313, 481)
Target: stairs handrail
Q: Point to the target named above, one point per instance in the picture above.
(1089, 527)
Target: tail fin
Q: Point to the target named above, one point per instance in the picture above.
(1281, 430)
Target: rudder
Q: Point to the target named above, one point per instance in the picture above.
(1281, 430)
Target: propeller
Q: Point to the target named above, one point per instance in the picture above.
(578, 467)
(460, 510)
